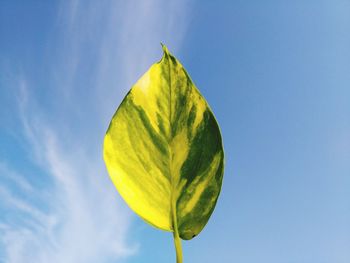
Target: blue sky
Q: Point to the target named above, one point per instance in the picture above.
(277, 76)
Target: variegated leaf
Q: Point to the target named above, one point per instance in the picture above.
(163, 150)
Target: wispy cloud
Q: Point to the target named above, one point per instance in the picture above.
(6, 174)
(84, 221)
(99, 50)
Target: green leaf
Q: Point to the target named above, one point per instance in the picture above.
(163, 150)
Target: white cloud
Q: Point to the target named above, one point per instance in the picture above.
(79, 216)
(85, 221)
(7, 174)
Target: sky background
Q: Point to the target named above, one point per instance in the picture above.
(276, 75)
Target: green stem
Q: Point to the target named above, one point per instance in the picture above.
(177, 240)
(178, 248)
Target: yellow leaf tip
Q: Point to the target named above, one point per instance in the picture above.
(165, 49)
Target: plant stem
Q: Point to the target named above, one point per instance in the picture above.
(177, 240)
(178, 248)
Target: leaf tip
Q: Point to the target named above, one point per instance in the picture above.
(165, 49)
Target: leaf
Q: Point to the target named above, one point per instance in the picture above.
(163, 150)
